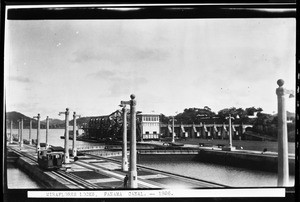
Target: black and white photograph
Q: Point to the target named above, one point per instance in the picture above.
(130, 103)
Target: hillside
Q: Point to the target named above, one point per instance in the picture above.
(16, 116)
(53, 123)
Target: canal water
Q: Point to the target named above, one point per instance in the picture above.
(231, 176)
(17, 179)
(226, 175)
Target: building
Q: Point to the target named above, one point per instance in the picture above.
(150, 126)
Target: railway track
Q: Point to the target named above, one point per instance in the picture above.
(69, 177)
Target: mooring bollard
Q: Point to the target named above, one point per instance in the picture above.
(47, 131)
(38, 132)
(66, 156)
(30, 130)
(74, 149)
(283, 158)
(124, 149)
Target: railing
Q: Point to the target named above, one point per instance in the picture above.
(174, 151)
(90, 148)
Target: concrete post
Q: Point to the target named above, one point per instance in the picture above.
(11, 132)
(38, 132)
(283, 160)
(173, 131)
(47, 131)
(74, 149)
(133, 158)
(192, 131)
(229, 147)
(19, 131)
(67, 156)
(124, 150)
(21, 134)
(230, 132)
(30, 130)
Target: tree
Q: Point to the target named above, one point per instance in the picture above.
(264, 124)
(163, 119)
(250, 111)
(191, 115)
(225, 112)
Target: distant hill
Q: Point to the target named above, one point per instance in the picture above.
(53, 123)
(16, 116)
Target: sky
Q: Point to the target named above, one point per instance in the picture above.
(90, 66)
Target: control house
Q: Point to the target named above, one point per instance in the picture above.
(150, 126)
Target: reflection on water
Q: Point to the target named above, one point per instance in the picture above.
(230, 176)
(17, 179)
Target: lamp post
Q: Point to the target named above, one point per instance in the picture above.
(229, 147)
(74, 149)
(19, 131)
(38, 132)
(66, 156)
(283, 159)
(173, 132)
(21, 134)
(47, 131)
(132, 168)
(173, 128)
(124, 149)
(30, 130)
(11, 135)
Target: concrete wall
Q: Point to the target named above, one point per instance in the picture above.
(39, 175)
(241, 160)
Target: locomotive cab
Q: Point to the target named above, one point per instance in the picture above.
(51, 158)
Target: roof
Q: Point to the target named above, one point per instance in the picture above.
(150, 114)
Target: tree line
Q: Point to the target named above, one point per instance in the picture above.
(264, 124)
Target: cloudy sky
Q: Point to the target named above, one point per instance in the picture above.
(169, 64)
